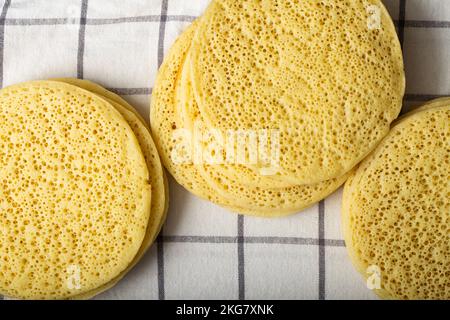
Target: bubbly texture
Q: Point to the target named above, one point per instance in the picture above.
(264, 195)
(164, 122)
(157, 180)
(211, 182)
(159, 204)
(318, 71)
(396, 209)
(76, 192)
(189, 114)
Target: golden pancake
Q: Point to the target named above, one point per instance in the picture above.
(76, 191)
(396, 210)
(319, 72)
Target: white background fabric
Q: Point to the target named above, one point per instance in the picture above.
(206, 252)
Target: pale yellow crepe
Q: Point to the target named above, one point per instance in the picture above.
(396, 209)
(76, 191)
(323, 73)
(160, 196)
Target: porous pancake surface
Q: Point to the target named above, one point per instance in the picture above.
(159, 205)
(189, 114)
(396, 209)
(76, 193)
(264, 197)
(319, 71)
(164, 122)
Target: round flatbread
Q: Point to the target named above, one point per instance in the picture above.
(159, 205)
(396, 209)
(322, 73)
(76, 191)
(206, 181)
(243, 173)
(164, 123)
(160, 196)
(264, 195)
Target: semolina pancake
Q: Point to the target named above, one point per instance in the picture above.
(159, 184)
(265, 197)
(248, 175)
(164, 122)
(76, 191)
(159, 205)
(396, 210)
(207, 181)
(317, 71)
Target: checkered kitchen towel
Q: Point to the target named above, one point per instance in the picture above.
(206, 252)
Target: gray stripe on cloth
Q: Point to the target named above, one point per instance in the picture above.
(322, 250)
(95, 21)
(160, 262)
(81, 38)
(401, 21)
(427, 24)
(160, 248)
(2, 46)
(200, 239)
(241, 257)
(5, 8)
(252, 240)
(424, 97)
(40, 21)
(139, 19)
(131, 91)
(162, 31)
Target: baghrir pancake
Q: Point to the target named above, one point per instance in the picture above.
(313, 70)
(77, 193)
(158, 181)
(396, 210)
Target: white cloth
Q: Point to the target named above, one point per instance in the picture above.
(207, 252)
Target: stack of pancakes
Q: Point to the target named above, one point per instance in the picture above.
(319, 84)
(83, 190)
(306, 85)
